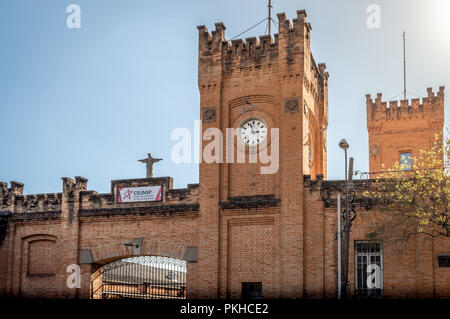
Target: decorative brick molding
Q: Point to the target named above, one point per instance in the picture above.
(253, 99)
(250, 202)
(106, 212)
(39, 255)
(36, 216)
(291, 105)
(209, 114)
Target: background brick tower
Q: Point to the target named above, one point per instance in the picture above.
(290, 92)
(401, 131)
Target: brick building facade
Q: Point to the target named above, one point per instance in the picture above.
(236, 226)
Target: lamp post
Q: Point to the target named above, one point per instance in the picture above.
(343, 144)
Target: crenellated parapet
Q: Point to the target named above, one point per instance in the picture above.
(8, 196)
(188, 194)
(402, 127)
(236, 51)
(5, 194)
(40, 206)
(430, 107)
(37, 202)
(256, 55)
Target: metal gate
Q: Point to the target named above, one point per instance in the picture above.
(146, 277)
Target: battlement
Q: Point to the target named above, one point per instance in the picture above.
(257, 50)
(13, 197)
(13, 200)
(432, 105)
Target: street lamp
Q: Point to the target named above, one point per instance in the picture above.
(343, 144)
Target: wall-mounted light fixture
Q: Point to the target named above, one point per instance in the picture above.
(244, 103)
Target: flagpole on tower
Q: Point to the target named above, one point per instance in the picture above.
(404, 65)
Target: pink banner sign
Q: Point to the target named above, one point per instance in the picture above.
(140, 194)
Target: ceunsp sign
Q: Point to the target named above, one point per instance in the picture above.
(140, 194)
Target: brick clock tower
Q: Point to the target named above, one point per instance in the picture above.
(401, 131)
(251, 224)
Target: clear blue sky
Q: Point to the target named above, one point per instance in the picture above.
(93, 101)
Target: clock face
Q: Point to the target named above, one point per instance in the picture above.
(253, 132)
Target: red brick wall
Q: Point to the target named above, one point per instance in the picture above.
(4, 252)
(314, 251)
(41, 257)
(39, 267)
(250, 251)
(251, 256)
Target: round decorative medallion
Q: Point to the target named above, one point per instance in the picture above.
(374, 151)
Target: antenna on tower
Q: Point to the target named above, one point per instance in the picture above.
(404, 64)
(269, 22)
(269, 17)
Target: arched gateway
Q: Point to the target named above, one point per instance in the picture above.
(145, 277)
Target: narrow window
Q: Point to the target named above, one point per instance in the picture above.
(368, 269)
(251, 290)
(444, 261)
(405, 161)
